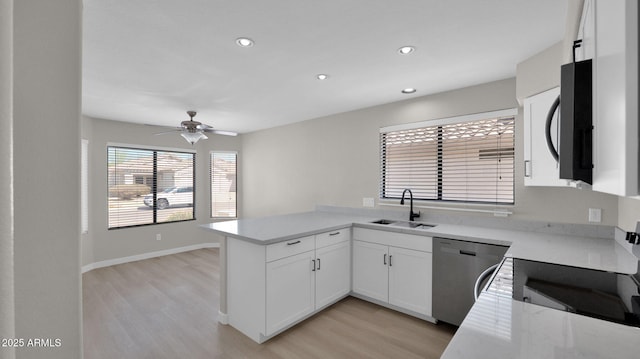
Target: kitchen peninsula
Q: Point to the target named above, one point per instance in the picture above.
(494, 325)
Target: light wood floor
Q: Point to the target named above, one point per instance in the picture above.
(167, 307)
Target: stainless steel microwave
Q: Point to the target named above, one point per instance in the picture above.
(575, 140)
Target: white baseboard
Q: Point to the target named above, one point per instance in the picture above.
(223, 318)
(138, 257)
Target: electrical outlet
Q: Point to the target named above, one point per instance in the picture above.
(595, 215)
(158, 237)
(367, 202)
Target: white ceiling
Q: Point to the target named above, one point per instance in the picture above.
(150, 61)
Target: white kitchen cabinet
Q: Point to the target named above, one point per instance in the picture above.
(393, 268)
(587, 32)
(540, 168)
(333, 273)
(615, 94)
(409, 285)
(290, 290)
(271, 287)
(370, 271)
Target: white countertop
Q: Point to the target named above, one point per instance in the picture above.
(273, 229)
(594, 253)
(500, 327)
(496, 327)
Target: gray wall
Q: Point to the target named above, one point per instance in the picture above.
(335, 160)
(7, 307)
(101, 244)
(46, 164)
(628, 213)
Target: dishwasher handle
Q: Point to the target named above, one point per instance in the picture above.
(468, 253)
(477, 287)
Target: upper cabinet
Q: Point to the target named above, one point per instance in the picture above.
(540, 167)
(610, 34)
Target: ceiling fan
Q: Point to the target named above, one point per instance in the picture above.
(193, 131)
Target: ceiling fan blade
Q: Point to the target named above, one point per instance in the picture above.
(220, 132)
(203, 126)
(167, 132)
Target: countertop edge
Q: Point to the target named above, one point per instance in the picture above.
(280, 238)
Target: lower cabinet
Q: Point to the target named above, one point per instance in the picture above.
(301, 284)
(290, 290)
(410, 279)
(333, 273)
(270, 288)
(398, 276)
(370, 270)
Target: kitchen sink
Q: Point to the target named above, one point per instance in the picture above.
(415, 225)
(403, 224)
(384, 221)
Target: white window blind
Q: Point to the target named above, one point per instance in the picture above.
(223, 184)
(471, 161)
(148, 186)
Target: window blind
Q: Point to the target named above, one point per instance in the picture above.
(223, 184)
(471, 161)
(148, 186)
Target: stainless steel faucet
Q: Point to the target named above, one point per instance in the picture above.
(412, 215)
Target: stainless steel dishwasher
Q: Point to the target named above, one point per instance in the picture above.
(456, 266)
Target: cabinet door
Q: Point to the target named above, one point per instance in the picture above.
(410, 279)
(333, 273)
(541, 169)
(290, 290)
(370, 271)
(587, 32)
(616, 98)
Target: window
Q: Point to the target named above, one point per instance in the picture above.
(223, 184)
(465, 159)
(149, 186)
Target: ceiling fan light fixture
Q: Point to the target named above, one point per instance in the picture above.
(193, 137)
(406, 50)
(244, 42)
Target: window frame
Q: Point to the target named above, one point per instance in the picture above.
(155, 150)
(211, 192)
(500, 114)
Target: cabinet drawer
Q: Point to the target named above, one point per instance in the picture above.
(333, 237)
(402, 240)
(290, 247)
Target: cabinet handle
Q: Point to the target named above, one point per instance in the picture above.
(334, 233)
(318, 268)
(292, 243)
(390, 256)
(313, 265)
(527, 168)
(384, 259)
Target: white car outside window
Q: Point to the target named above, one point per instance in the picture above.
(171, 196)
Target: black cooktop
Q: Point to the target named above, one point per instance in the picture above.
(604, 295)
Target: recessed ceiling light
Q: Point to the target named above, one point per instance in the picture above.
(322, 76)
(406, 50)
(244, 42)
(409, 90)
